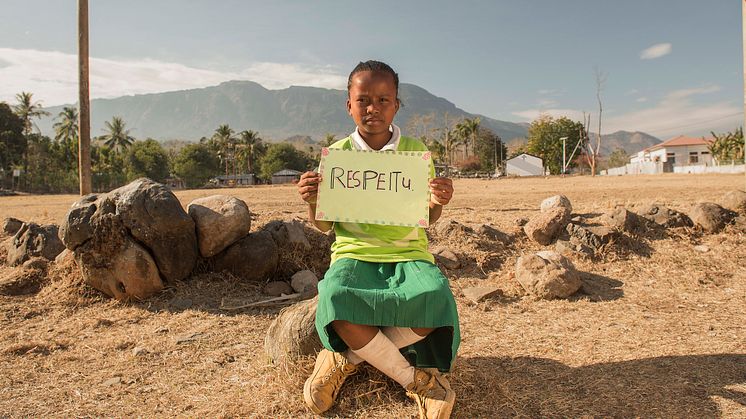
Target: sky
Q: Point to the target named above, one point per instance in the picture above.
(668, 68)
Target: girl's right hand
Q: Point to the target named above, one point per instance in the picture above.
(308, 186)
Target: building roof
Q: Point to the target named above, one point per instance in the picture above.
(286, 172)
(526, 154)
(680, 141)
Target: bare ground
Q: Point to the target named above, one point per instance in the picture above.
(658, 330)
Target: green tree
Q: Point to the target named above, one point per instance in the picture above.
(468, 132)
(107, 168)
(282, 156)
(544, 140)
(727, 147)
(196, 164)
(490, 150)
(28, 110)
(248, 146)
(12, 141)
(328, 140)
(116, 137)
(66, 134)
(618, 158)
(224, 141)
(146, 159)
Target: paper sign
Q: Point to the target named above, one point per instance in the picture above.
(372, 187)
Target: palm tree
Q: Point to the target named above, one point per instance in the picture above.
(66, 131)
(247, 141)
(27, 110)
(469, 131)
(225, 142)
(116, 137)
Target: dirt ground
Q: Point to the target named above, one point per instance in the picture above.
(658, 329)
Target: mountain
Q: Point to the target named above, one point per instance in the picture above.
(630, 142)
(275, 114)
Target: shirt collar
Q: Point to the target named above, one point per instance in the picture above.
(392, 145)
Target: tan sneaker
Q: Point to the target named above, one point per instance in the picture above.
(433, 395)
(322, 387)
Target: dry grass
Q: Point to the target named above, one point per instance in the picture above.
(658, 331)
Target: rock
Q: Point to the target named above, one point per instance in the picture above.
(220, 221)
(735, 201)
(34, 240)
(144, 212)
(664, 216)
(124, 270)
(288, 234)
(595, 237)
(544, 227)
(293, 333)
(38, 263)
(494, 234)
(277, 288)
(547, 275)
(625, 220)
(304, 281)
(702, 248)
(557, 201)
(478, 294)
(64, 256)
(710, 217)
(139, 351)
(22, 281)
(11, 226)
(252, 258)
(568, 249)
(112, 381)
(444, 228)
(521, 221)
(446, 258)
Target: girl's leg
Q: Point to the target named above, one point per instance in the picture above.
(399, 336)
(354, 335)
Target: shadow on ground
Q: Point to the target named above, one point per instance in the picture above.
(670, 386)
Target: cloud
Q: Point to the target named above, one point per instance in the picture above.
(678, 113)
(656, 51)
(532, 114)
(641, 99)
(53, 76)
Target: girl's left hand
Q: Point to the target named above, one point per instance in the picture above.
(441, 190)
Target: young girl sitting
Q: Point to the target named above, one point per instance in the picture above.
(383, 300)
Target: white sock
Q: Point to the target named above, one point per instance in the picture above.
(399, 336)
(381, 353)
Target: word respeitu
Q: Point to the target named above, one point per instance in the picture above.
(369, 180)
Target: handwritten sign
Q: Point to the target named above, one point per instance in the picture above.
(371, 187)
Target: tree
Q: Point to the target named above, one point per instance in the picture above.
(728, 146)
(282, 156)
(12, 141)
(116, 137)
(66, 133)
(618, 158)
(196, 164)
(490, 150)
(28, 110)
(544, 140)
(146, 159)
(225, 144)
(468, 131)
(595, 151)
(247, 143)
(328, 140)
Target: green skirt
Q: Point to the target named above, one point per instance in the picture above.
(402, 294)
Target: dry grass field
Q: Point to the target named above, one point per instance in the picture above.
(658, 330)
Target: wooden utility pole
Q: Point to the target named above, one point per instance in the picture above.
(84, 114)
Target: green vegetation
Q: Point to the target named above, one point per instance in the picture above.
(728, 148)
(545, 140)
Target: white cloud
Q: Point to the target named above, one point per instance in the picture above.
(679, 114)
(531, 114)
(641, 99)
(53, 76)
(656, 51)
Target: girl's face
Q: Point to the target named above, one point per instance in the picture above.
(372, 104)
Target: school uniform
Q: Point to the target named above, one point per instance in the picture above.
(385, 276)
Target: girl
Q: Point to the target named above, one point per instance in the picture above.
(382, 300)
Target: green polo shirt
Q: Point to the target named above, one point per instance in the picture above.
(380, 243)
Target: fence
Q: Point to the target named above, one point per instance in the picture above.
(652, 168)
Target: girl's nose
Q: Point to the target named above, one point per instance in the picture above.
(372, 109)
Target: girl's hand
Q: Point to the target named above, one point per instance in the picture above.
(441, 191)
(308, 186)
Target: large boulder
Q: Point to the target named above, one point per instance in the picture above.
(557, 201)
(547, 275)
(293, 333)
(34, 240)
(252, 258)
(144, 211)
(545, 226)
(594, 237)
(11, 226)
(625, 220)
(664, 216)
(710, 217)
(288, 234)
(735, 201)
(220, 220)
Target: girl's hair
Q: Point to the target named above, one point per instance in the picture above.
(375, 66)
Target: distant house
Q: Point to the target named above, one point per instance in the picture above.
(677, 151)
(174, 182)
(244, 179)
(285, 176)
(524, 165)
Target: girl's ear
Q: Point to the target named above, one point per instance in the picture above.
(349, 107)
(398, 104)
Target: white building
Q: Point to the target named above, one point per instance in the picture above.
(677, 151)
(524, 165)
